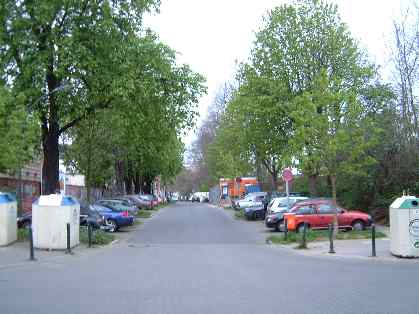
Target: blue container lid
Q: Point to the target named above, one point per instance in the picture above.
(65, 201)
(6, 198)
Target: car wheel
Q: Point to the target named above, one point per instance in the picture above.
(112, 225)
(300, 228)
(255, 216)
(278, 226)
(358, 225)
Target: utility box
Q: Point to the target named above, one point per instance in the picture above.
(50, 215)
(8, 219)
(404, 227)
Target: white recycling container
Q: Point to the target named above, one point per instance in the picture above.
(404, 227)
(50, 215)
(8, 219)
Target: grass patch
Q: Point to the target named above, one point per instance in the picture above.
(137, 222)
(240, 214)
(99, 237)
(144, 214)
(22, 234)
(323, 235)
(158, 207)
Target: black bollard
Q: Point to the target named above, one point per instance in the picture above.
(285, 229)
(89, 233)
(68, 251)
(31, 250)
(304, 243)
(331, 248)
(373, 253)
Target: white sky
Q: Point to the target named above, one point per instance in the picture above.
(211, 35)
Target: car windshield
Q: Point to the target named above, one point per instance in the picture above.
(101, 208)
(146, 197)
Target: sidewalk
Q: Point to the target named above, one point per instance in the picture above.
(18, 253)
(359, 249)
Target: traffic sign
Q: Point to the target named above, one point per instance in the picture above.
(287, 175)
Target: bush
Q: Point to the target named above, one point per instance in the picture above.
(99, 237)
(22, 234)
(239, 214)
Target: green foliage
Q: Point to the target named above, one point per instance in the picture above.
(18, 131)
(99, 237)
(72, 55)
(23, 234)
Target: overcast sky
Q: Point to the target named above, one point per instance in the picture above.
(211, 35)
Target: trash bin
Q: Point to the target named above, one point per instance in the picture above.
(404, 227)
(8, 219)
(50, 215)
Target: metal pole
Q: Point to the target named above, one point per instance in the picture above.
(373, 253)
(31, 250)
(331, 248)
(288, 195)
(285, 229)
(89, 232)
(68, 251)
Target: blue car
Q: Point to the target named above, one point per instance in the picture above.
(114, 219)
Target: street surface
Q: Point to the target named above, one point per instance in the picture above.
(195, 258)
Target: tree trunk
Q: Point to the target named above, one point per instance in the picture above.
(89, 163)
(50, 166)
(129, 177)
(119, 176)
(137, 184)
(147, 187)
(335, 207)
(312, 184)
(274, 180)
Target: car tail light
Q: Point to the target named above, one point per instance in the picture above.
(125, 213)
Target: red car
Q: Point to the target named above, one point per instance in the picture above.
(319, 213)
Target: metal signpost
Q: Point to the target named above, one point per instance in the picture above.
(287, 177)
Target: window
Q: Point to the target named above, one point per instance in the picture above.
(325, 209)
(283, 203)
(259, 198)
(305, 210)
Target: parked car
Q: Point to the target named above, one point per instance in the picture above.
(25, 220)
(280, 204)
(255, 212)
(89, 216)
(119, 204)
(146, 201)
(251, 200)
(114, 219)
(319, 213)
(134, 200)
(275, 220)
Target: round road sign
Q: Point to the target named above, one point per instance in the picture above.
(287, 175)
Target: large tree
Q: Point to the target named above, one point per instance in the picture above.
(142, 129)
(70, 52)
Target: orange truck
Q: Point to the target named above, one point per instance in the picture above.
(235, 188)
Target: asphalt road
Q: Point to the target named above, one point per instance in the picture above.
(193, 258)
